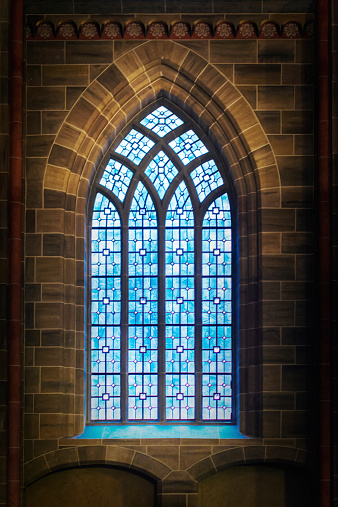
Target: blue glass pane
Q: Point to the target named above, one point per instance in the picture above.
(216, 311)
(180, 397)
(161, 121)
(105, 311)
(143, 399)
(143, 368)
(180, 307)
(161, 171)
(135, 146)
(216, 349)
(116, 177)
(188, 146)
(142, 211)
(142, 308)
(218, 213)
(180, 212)
(206, 178)
(216, 397)
(105, 400)
(104, 214)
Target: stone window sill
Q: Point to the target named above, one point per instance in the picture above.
(171, 431)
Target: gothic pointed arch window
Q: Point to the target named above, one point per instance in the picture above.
(161, 326)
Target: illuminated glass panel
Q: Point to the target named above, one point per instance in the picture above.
(161, 121)
(116, 177)
(188, 146)
(161, 171)
(142, 308)
(206, 178)
(216, 311)
(105, 311)
(135, 146)
(179, 307)
(188, 362)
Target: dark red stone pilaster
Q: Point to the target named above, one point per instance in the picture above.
(14, 254)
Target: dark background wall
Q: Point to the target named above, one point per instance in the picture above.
(91, 486)
(168, 6)
(4, 129)
(334, 62)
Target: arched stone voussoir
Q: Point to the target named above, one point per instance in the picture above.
(241, 115)
(97, 95)
(113, 80)
(150, 466)
(168, 52)
(90, 455)
(82, 114)
(226, 95)
(245, 455)
(254, 138)
(70, 136)
(130, 65)
(193, 65)
(179, 481)
(138, 77)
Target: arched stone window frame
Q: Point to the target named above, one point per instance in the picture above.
(138, 77)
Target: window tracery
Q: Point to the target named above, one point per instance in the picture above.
(161, 275)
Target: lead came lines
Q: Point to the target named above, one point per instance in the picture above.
(180, 281)
(143, 370)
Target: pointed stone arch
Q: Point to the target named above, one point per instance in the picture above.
(133, 81)
(137, 78)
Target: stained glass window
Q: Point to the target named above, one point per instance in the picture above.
(161, 278)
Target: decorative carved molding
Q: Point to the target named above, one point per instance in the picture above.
(156, 29)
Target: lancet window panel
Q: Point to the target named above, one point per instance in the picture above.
(161, 317)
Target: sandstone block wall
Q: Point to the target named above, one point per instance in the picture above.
(255, 98)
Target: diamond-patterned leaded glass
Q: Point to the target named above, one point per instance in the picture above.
(188, 146)
(161, 121)
(105, 311)
(143, 311)
(135, 146)
(116, 177)
(206, 178)
(161, 280)
(216, 311)
(179, 307)
(161, 171)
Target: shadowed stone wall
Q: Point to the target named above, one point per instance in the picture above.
(335, 238)
(4, 164)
